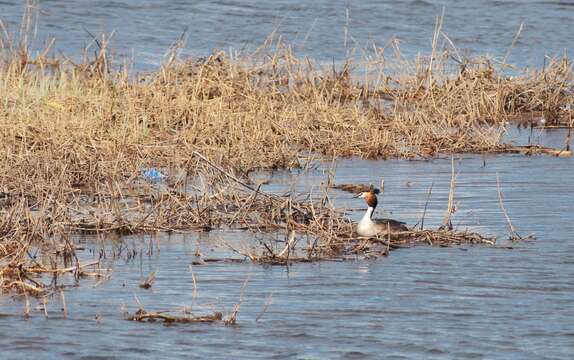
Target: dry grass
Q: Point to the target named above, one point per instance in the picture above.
(74, 138)
(167, 318)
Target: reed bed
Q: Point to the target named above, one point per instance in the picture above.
(298, 230)
(75, 136)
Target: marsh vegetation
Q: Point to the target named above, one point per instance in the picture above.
(75, 137)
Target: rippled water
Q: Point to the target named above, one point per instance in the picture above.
(323, 29)
(466, 302)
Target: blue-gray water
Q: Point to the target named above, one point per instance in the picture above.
(421, 303)
(469, 302)
(323, 29)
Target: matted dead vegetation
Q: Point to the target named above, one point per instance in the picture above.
(313, 229)
(74, 138)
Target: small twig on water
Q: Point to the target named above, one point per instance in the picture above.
(426, 204)
(513, 234)
(447, 222)
(232, 318)
(265, 306)
(194, 294)
(148, 282)
(64, 308)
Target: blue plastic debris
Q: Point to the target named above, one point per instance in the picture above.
(152, 175)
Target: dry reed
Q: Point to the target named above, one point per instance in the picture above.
(75, 136)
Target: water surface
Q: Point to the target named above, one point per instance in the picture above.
(467, 302)
(325, 30)
(463, 302)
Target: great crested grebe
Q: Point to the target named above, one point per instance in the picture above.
(371, 227)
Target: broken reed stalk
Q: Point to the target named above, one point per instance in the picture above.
(567, 140)
(429, 192)
(194, 293)
(451, 208)
(512, 232)
(64, 306)
(148, 281)
(265, 306)
(232, 318)
(388, 239)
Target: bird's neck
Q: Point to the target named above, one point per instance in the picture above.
(368, 213)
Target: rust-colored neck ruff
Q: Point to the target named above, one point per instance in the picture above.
(371, 199)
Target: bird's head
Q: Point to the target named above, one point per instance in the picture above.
(369, 196)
